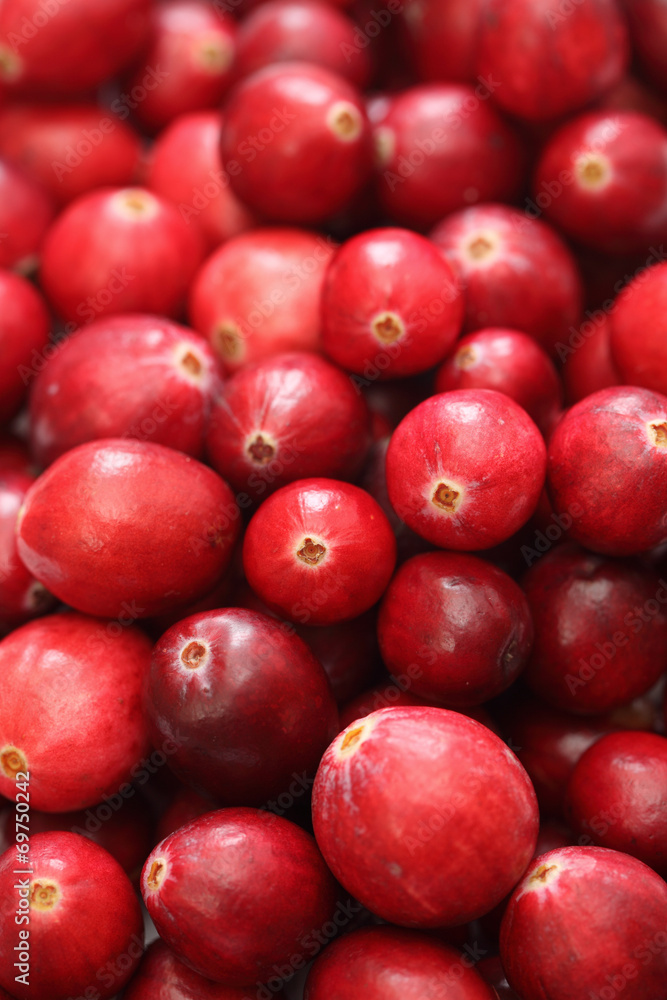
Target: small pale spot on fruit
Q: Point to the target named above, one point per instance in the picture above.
(351, 738)
(10, 64)
(311, 552)
(44, 894)
(658, 433)
(387, 327)
(385, 145)
(543, 874)
(12, 762)
(465, 357)
(191, 363)
(261, 450)
(156, 874)
(592, 170)
(345, 121)
(214, 54)
(194, 654)
(227, 340)
(480, 247)
(135, 203)
(446, 497)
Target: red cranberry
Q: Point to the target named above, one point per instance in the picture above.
(648, 29)
(319, 551)
(631, 94)
(390, 301)
(24, 333)
(600, 630)
(119, 527)
(586, 921)
(615, 794)
(127, 376)
(603, 179)
(443, 38)
(510, 362)
(441, 147)
(296, 142)
(405, 803)
(638, 330)
(465, 469)
(69, 148)
(196, 183)
(272, 894)
(114, 251)
(74, 890)
(515, 271)
(460, 627)
(589, 366)
(290, 417)
(26, 211)
(21, 596)
(491, 970)
(259, 294)
(608, 462)
(71, 710)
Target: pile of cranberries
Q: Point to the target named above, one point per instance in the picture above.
(333, 499)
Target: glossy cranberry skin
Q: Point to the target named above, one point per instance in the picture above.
(608, 458)
(119, 251)
(272, 889)
(71, 709)
(259, 295)
(296, 142)
(290, 417)
(69, 148)
(647, 20)
(638, 331)
(24, 333)
(441, 147)
(515, 272)
(389, 963)
(465, 469)
(462, 622)
(510, 362)
(589, 366)
(600, 630)
(443, 38)
(250, 703)
(26, 212)
(390, 301)
(118, 523)
(76, 889)
(319, 551)
(307, 30)
(21, 596)
(616, 796)
(126, 376)
(196, 183)
(584, 920)
(602, 178)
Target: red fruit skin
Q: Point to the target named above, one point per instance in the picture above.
(388, 963)
(69, 148)
(196, 183)
(609, 170)
(647, 20)
(616, 796)
(292, 416)
(130, 376)
(515, 271)
(442, 38)
(308, 30)
(252, 706)
(390, 301)
(462, 623)
(462, 152)
(85, 894)
(71, 708)
(307, 162)
(405, 799)
(583, 920)
(601, 451)
(477, 444)
(590, 366)
(119, 251)
(118, 527)
(600, 630)
(638, 331)
(21, 596)
(259, 295)
(193, 45)
(26, 212)
(286, 567)
(510, 362)
(272, 889)
(186, 805)
(24, 333)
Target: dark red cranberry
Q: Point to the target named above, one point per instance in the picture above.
(24, 333)
(396, 693)
(443, 38)
(648, 29)
(26, 212)
(21, 596)
(185, 805)
(588, 366)
(638, 330)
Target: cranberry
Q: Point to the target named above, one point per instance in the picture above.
(290, 417)
(460, 627)
(441, 147)
(319, 551)
(296, 142)
(638, 330)
(608, 463)
(119, 250)
(259, 294)
(24, 333)
(589, 366)
(510, 362)
(185, 805)
(127, 376)
(21, 596)
(119, 527)
(75, 891)
(587, 921)
(391, 301)
(515, 271)
(603, 179)
(26, 212)
(196, 183)
(272, 892)
(465, 468)
(71, 709)
(648, 29)
(491, 970)
(443, 38)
